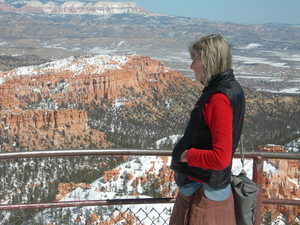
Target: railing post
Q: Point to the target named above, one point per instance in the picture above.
(258, 167)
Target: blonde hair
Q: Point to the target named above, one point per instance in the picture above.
(215, 54)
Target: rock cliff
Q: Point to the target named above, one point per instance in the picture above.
(48, 129)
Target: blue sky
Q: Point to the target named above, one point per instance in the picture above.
(236, 11)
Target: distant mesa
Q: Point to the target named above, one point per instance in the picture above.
(76, 7)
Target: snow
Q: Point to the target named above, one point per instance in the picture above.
(250, 46)
(173, 138)
(121, 42)
(168, 103)
(288, 90)
(120, 102)
(257, 60)
(294, 145)
(96, 64)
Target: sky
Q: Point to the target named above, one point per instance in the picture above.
(236, 11)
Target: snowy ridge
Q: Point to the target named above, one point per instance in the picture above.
(78, 65)
(138, 166)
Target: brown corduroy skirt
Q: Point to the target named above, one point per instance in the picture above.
(199, 210)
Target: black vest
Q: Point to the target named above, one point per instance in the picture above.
(197, 133)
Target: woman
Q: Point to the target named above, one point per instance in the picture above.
(203, 156)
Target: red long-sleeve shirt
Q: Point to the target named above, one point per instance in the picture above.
(217, 113)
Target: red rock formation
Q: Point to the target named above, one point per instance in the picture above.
(130, 176)
(94, 218)
(7, 97)
(40, 119)
(79, 81)
(129, 219)
(272, 148)
(67, 83)
(78, 219)
(46, 129)
(281, 184)
(65, 188)
(114, 173)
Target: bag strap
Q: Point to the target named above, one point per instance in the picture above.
(242, 152)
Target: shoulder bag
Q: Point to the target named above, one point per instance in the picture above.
(244, 191)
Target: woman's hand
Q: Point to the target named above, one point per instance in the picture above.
(183, 157)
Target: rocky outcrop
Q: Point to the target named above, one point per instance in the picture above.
(48, 129)
(43, 119)
(65, 188)
(121, 216)
(7, 97)
(81, 80)
(271, 148)
(112, 174)
(76, 7)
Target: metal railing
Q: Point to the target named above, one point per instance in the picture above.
(258, 159)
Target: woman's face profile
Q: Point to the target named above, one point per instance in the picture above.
(197, 67)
